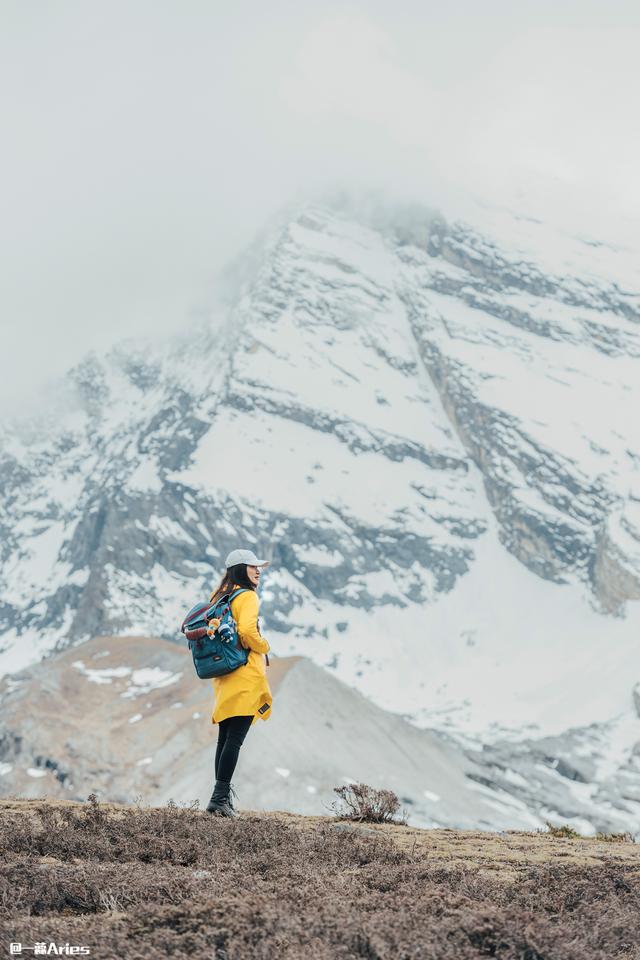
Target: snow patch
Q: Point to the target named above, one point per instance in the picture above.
(107, 675)
(145, 477)
(149, 678)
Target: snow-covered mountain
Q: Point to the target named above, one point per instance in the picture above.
(431, 429)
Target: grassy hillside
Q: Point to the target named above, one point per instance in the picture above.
(137, 882)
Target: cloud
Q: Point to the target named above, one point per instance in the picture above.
(148, 142)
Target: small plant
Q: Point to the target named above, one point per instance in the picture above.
(111, 902)
(94, 814)
(563, 832)
(366, 804)
(616, 837)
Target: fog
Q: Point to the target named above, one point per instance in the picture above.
(145, 143)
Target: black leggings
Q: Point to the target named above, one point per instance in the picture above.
(231, 734)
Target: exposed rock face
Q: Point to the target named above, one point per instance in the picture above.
(425, 425)
(617, 562)
(547, 506)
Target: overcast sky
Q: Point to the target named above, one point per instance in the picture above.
(144, 143)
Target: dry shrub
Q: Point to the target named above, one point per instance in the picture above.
(566, 832)
(263, 888)
(167, 834)
(366, 804)
(30, 886)
(616, 837)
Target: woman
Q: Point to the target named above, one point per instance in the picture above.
(242, 696)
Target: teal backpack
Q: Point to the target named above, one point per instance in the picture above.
(222, 653)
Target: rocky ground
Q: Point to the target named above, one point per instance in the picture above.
(141, 882)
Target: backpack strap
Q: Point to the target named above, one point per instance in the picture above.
(227, 597)
(232, 596)
(236, 593)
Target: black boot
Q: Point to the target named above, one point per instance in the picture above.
(220, 803)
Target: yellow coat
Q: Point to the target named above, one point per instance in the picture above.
(245, 691)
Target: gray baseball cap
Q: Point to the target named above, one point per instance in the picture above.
(245, 556)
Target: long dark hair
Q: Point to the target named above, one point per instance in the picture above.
(232, 576)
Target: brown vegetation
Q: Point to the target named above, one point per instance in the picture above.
(360, 802)
(150, 883)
